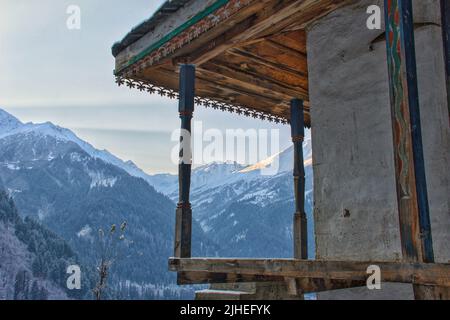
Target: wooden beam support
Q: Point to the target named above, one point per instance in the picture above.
(316, 285)
(191, 278)
(445, 15)
(183, 224)
(403, 272)
(300, 220)
(415, 226)
(303, 285)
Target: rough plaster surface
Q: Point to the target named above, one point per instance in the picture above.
(356, 215)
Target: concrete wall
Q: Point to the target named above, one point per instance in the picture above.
(356, 211)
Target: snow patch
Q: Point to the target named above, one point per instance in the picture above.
(240, 236)
(84, 232)
(12, 192)
(10, 126)
(76, 157)
(100, 180)
(12, 166)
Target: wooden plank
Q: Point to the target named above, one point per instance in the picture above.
(260, 69)
(190, 278)
(229, 73)
(239, 88)
(314, 11)
(303, 285)
(294, 39)
(315, 285)
(255, 58)
(403, 272)
(415, 226)
(279, 49)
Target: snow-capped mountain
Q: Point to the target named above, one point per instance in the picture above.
(8, 122)
(216, 174)
(74, 190)
(11, 126)
(247, 211)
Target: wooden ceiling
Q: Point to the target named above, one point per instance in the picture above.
(257, 60)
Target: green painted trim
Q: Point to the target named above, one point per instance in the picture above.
(206, 12)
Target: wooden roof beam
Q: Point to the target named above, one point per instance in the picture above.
(244, 91)
(285, 48)
(274, 17)
(258, 60)
(244, 78)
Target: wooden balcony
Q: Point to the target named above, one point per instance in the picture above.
(306, 276)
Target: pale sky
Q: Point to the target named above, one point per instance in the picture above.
(51, 73)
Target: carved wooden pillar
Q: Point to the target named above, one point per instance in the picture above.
(183, 224)
(412, 196)
(300, 221)
(445, 14)
(408, 150)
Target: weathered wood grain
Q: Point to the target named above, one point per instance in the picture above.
(302, 285)
(391, 271)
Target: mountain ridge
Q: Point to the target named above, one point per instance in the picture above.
(73, 193)
(10, 125)
(74, 189)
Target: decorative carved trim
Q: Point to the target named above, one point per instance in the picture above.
(159, 51)
(205, 102)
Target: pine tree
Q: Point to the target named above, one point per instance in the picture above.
(35, 291)
(43, 294)
(21, 286)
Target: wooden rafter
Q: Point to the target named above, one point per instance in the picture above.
(260, 83)
(254, 58)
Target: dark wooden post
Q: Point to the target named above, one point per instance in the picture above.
(300, 221)
(445, 14)
(183, 224)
